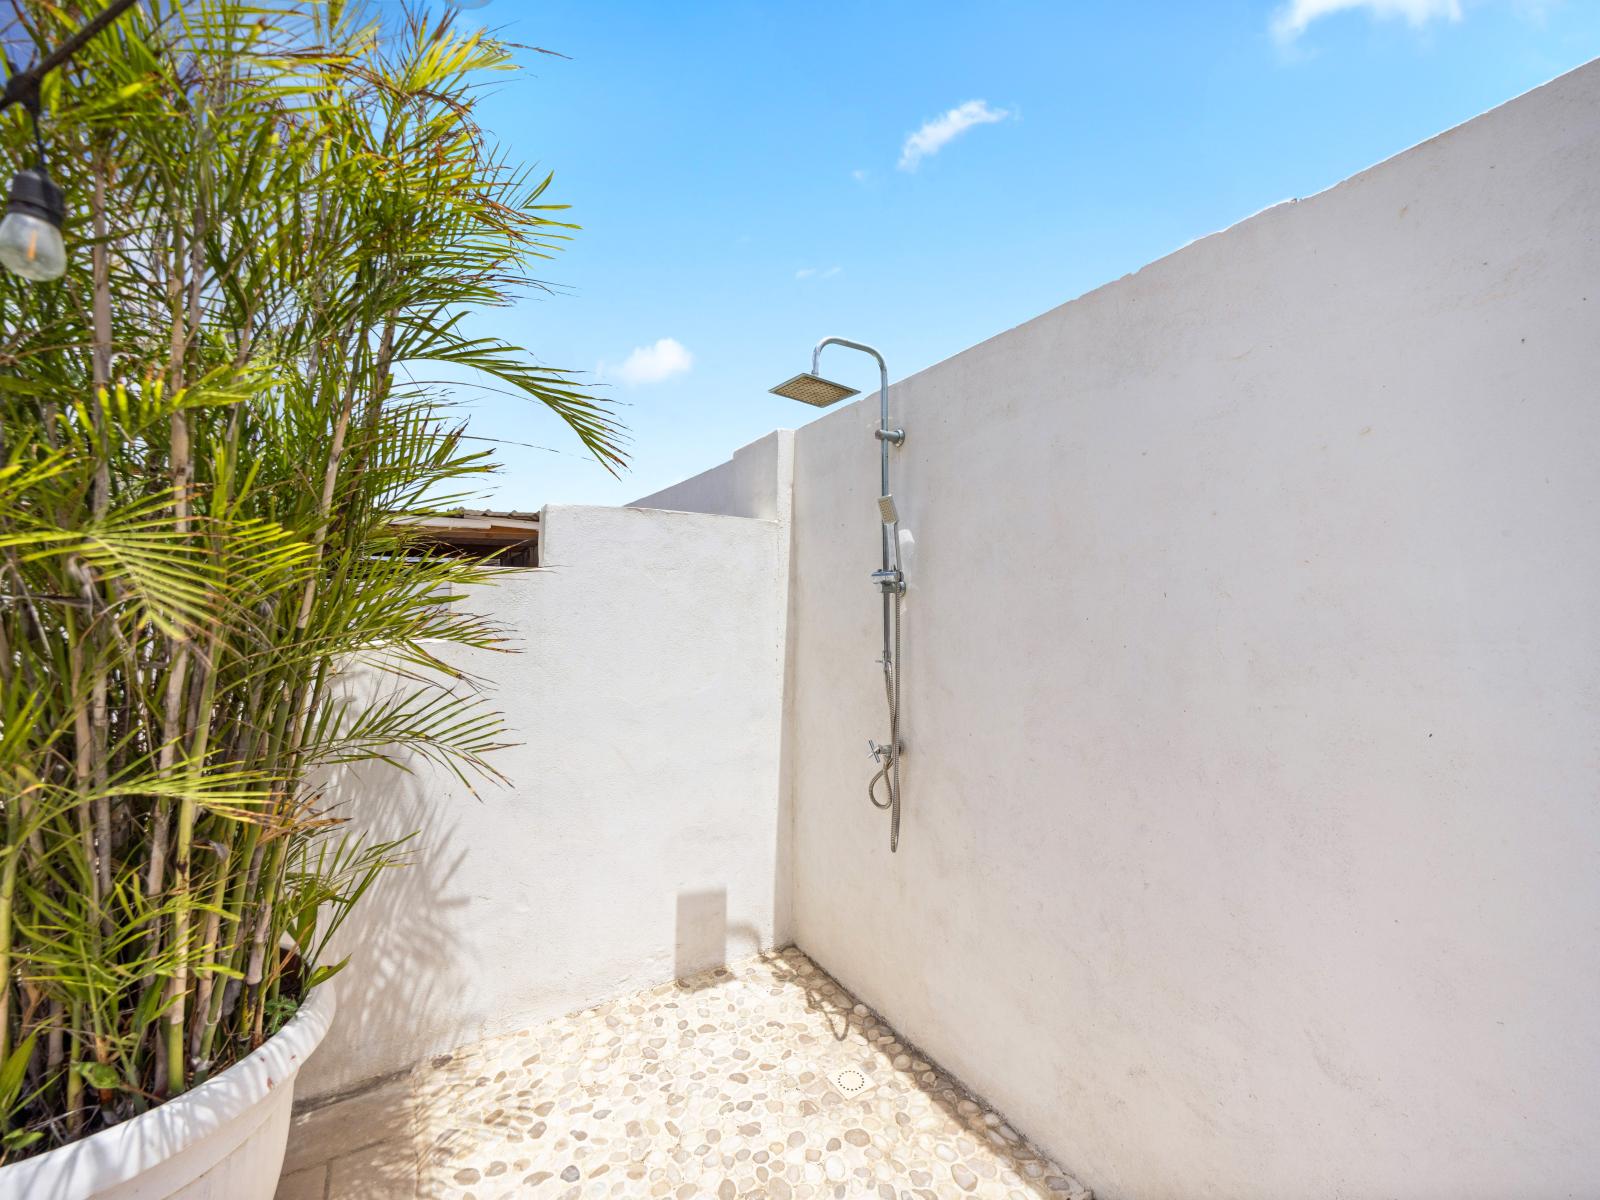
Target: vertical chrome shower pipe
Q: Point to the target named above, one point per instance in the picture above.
(889, 578)
(891, 582)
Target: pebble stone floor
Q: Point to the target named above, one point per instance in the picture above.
(715, 1086)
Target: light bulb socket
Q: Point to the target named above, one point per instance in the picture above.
(35, 193)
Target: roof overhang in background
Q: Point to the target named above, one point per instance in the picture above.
(478, 532)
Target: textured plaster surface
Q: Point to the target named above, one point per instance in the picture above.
(1251, 694)
(710, 1088)
(636, 837)
(755, 482)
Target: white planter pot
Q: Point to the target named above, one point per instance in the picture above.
(224, 1140)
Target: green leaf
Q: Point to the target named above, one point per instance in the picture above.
(150, 1005)
(100, 1076)
(324, 973)
(12, 1072)
(277, 1012)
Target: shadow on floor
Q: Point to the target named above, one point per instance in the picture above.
(835, 1005)
(846, 1015)
(702, 935)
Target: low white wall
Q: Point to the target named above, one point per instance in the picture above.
(756, 482)
(638, 839)
(1252, 691)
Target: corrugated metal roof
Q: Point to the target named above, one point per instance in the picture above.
(476, 518)
(510, 514)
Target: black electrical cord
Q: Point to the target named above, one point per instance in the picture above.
(22, 87)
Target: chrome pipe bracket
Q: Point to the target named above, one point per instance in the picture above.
(892, 436)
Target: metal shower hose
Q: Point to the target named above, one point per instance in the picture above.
(889, 771)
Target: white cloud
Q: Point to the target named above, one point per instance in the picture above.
(651, 364)
(934, 134)
(817, 272)
(1290, 21)
(859, 175)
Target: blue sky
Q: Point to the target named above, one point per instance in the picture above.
(742, 175)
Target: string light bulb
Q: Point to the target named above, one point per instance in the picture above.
(30, 234)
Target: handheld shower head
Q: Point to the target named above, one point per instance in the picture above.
(813, 390)
(887, 510)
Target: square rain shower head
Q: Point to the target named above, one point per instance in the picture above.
(813, 389)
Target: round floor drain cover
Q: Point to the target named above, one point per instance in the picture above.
(849, 1082)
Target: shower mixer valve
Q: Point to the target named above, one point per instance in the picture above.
(880, 753)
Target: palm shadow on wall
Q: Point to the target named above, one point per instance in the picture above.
(405, 963)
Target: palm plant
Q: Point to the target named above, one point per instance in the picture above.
(208, 444)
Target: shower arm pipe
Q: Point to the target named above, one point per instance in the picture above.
(891, 542)
(891, 579)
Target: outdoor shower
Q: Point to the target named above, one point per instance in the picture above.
(811, 388)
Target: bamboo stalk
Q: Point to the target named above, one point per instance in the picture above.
(54, 1044)
(83, 756)
(100, 502)
(250, 852)
(8, 888)
(251, 1020)
(208, 945)
(181, 472)
(74, 1097)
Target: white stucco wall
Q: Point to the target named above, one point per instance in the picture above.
(1252, 688)
(638, 838)
(756, 482)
